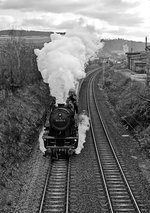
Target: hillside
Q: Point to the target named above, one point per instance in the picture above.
(25, 33)
(113, 45)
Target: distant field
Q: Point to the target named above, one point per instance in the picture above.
(28, 39)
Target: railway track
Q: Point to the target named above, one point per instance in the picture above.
(55, 196)
(117, 190)
(56, 192)
(120, 194)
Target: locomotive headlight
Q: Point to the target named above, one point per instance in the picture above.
(75, 140)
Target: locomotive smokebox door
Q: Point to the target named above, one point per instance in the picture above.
(60, 119)
(62, 136)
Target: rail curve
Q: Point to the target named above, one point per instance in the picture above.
(120, 192)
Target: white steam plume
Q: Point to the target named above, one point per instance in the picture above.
(83, 126)
(42, 148)
(61, 62)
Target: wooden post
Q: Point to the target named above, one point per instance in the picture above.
(103, 78)
(148, 67)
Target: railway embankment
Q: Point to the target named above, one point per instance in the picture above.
(24, 99)
(22, 115)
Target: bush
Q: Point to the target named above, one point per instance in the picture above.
(123, 94)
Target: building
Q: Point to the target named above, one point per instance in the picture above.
(139, 61)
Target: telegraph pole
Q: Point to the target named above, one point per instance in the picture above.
(103, 77)
(148, 67)
(147, 62)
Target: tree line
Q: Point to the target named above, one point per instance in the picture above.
(18, 65)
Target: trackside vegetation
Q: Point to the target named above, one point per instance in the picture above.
(24, 99)
(131, 101)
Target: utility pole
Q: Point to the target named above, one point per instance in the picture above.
(148, 67)
(147, 62)
(103, 75)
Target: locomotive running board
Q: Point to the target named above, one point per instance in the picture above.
(55, 138)
(58, 147)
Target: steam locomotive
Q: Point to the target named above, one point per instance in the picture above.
(61, 132)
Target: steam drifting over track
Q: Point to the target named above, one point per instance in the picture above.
(62, 64)
(62, 61)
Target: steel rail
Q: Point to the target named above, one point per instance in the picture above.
(82, 80)
(112, 148)
(59, 191)
(68, 186)
(96, 149)
(44, 190)
(135, 204)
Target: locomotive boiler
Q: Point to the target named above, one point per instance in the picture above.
(61, 132)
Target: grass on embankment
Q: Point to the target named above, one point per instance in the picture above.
(134, 111)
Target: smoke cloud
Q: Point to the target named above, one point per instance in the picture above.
(42, 148)
(62, 64)
(83, 126)
(62, 61)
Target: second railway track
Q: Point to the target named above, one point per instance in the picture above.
(120, 192)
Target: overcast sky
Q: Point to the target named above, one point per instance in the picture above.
(128, 19)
